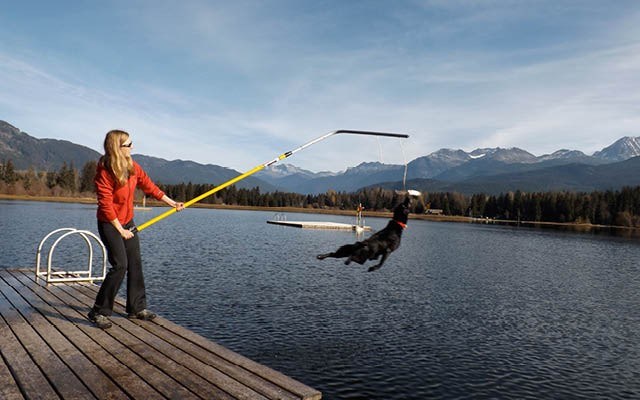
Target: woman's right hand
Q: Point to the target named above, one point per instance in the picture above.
(126, 234)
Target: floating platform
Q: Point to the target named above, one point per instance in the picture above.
(320, 225)
(49, 350)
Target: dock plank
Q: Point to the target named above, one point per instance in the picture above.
(226, 374)
(138, 339)
(134, 359)
(162, 382)
(8, 387)
(25, 372)
(120, 373)
(28, 328)
(62, 340)
(299, 389)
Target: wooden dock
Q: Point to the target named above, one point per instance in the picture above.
(49, 350)
(319, 225)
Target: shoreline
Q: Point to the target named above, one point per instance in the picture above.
(375, 214)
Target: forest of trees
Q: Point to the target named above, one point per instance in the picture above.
(67, 181)
(619, 207)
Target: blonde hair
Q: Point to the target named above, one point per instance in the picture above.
(114, 160)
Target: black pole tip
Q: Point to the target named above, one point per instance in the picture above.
(371, 133)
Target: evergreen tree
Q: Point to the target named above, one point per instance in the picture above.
(51, 179)
(9, 173)
(537, 201)
(66, 177)
(87, 175)
(189, 192)
(29, 179)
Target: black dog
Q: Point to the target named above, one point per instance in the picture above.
(381, 243)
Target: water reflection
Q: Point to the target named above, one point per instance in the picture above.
(573, 228)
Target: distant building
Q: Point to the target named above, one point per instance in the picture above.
(434, 211)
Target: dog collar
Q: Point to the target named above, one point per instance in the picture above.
(403, 226)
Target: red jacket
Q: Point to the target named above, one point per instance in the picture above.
(115, 201)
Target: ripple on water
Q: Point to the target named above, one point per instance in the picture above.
(459, 311)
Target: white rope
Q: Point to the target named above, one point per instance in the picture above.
(404, 160)
(380, 151)
(404, 177)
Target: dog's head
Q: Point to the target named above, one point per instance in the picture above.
(401, 212)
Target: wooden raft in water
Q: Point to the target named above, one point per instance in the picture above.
(320, 225)
(51, 351)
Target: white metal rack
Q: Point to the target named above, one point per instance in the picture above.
(52, 276)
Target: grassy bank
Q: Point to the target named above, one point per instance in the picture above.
(57, 199)
(367, 214)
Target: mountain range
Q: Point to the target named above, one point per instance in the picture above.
(26, 152)
(486, 170)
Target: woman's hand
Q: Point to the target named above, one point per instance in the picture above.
(126, 234)
(172, 203)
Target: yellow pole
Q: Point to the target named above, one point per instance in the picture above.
(202, 196)
(256, 169)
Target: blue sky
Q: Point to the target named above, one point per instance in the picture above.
(236, 83)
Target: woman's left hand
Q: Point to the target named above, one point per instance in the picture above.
(178, 205)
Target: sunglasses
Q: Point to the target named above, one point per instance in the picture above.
(127, 145)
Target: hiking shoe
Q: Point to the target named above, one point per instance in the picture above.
(144, 314)
(101, 321)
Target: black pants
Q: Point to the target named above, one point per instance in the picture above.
(124, 257)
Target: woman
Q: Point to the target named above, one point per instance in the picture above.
(116, 179)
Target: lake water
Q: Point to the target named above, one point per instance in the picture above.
(458, 311)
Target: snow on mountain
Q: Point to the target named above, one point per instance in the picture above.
(509, 156)
(479, 153)
(563, 154)
(436, 163)
(370, 168)
(513, 155)
(623, 149)
(277, 171)
(449, 156)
